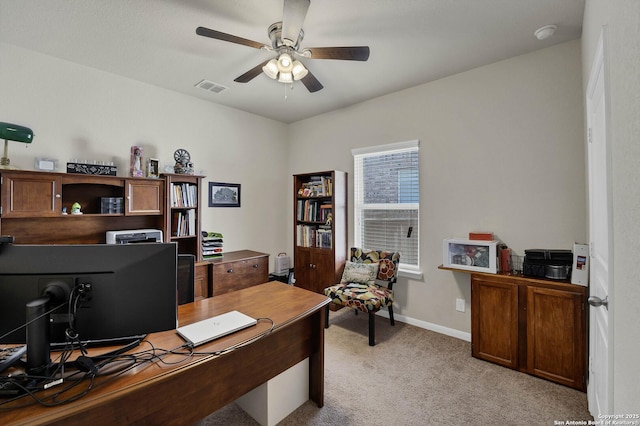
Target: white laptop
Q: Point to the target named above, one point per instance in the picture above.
(215, 327)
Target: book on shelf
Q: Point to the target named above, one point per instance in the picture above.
(318, 186)
(183, 223)
(314, 236)
(313, 211)
(184, 195)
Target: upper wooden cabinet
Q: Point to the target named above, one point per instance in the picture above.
(144, 197)
(36, 206)
(31, 195)
(532, 325)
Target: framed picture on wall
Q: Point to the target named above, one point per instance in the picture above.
(224, 194)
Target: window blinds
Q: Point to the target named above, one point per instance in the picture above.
(387, 199)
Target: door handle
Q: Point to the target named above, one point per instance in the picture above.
(595, 301)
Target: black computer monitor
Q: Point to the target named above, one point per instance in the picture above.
(116, 290)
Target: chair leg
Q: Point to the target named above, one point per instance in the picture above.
(372, 328)
(326, 316)
(390, 308)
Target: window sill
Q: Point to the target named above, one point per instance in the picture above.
(414, 274)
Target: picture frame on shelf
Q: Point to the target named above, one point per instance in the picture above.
(224, 194)
(47, 164)
(153, 168)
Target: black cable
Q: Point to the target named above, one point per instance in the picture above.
(99, 367)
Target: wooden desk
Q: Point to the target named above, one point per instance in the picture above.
(187, 392)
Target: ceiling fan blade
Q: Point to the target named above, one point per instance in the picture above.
(228, 37)
(292, 19)
(311, 82)
(251, 74)
(352, 53)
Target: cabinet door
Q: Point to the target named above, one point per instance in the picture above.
(556, 335)
(494, 321)
(144, 197)
(31, 195)
(314, 269)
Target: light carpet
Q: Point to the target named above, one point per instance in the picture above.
(415, 376)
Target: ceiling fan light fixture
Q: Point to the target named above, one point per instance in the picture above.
(271, 69)
(285, 63)
(285, 77)
(298, 70)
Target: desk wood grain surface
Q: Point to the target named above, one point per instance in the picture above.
(189, 390)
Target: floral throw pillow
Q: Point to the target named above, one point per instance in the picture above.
(361, 273)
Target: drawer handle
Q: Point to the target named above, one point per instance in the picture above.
(255, 265)
(230, 271)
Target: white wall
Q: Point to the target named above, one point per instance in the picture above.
(622, 18)
(501, 150)
(81, 112)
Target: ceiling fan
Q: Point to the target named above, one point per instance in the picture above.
(286, 37)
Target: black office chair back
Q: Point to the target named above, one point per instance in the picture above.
(186, 274)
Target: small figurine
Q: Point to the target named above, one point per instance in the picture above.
(136, 161)
(76, 208)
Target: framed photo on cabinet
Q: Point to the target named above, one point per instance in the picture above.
(224, 194)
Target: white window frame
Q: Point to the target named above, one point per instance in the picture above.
(411, 271)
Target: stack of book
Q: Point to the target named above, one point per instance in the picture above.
(211, 245)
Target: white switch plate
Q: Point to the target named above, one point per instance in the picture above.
(460, 305)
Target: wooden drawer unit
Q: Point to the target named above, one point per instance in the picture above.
(237, 270)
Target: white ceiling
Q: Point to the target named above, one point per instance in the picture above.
(412, 42)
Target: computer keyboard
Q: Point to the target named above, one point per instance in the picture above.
(8, 356)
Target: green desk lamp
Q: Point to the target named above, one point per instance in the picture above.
(13, 132)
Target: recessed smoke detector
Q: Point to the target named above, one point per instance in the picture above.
(545, 32)
(211, 86)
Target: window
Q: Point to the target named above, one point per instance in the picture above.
(387, 200)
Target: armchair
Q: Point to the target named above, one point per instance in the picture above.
(366, 285)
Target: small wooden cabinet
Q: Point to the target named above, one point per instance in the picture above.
(315, 269)
(532, 325)
(31, 195)
(320, 243)
(237, 270)
(144, 197)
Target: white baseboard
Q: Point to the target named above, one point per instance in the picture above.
(428, 326)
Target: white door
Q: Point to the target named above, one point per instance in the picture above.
(599, 388)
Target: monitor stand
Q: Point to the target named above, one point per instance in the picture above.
(38, 336)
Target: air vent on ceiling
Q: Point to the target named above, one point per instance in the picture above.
(211, 86)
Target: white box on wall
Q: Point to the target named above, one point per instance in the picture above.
(470, 255)
(580, 272)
